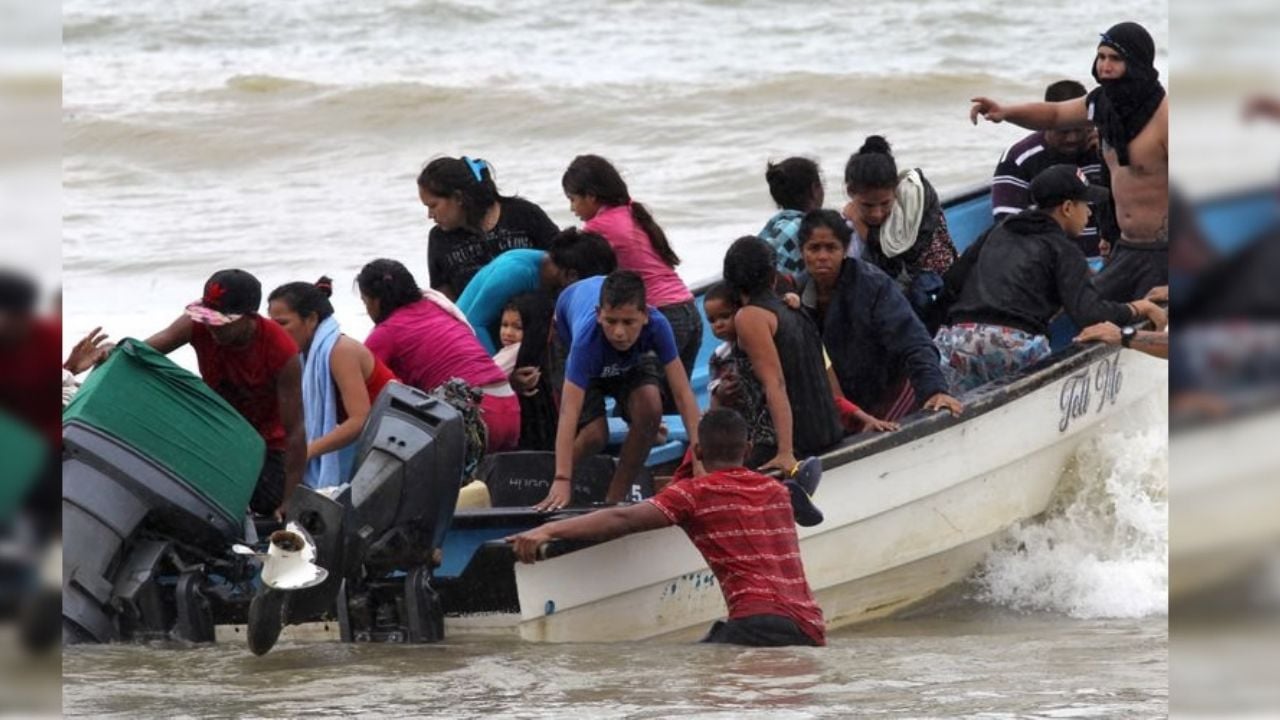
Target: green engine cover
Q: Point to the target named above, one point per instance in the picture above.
(174, 419)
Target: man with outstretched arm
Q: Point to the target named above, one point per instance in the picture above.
(618, 346)
(253, 364)
(741, 522)
(1131, 110)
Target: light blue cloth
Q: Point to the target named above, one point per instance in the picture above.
(320, 409)
(511, 273)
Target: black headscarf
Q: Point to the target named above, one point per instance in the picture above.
(1122, 107)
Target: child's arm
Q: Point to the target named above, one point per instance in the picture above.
(686, 403)
(571, 399)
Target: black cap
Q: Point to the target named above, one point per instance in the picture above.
(228, 295)
(1064, 182)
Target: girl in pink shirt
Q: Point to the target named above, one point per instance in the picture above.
(426, 346)
(598, 196)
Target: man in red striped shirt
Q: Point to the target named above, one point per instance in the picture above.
(741, 522)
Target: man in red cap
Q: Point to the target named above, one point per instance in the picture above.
(1131, 110)
(253, 364)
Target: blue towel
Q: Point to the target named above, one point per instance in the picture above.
(320, 409)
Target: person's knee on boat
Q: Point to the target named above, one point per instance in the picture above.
(618, 346)
(766, 593)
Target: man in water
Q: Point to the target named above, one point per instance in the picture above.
(1023, 160)
(1131, 110)
(253, 364)
(741, 522)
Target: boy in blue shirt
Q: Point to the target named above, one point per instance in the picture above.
(621, 347)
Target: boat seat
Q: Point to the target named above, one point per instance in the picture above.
(670, 451)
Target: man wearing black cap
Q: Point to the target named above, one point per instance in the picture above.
(1013, 280)
(1131, 110)
(253, 364)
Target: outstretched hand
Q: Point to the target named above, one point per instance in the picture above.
(987, 108)
(89, 352)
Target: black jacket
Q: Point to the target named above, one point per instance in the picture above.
(875, 339)
(1021, 272)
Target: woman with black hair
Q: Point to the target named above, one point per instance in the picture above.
(340, 378)
(426, 346)
(474, 223)
(898, 224)
(785, 353)
(883, 357)
(796, 186)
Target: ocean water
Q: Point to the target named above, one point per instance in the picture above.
(285, 139)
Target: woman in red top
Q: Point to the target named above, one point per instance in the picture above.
(303, 310)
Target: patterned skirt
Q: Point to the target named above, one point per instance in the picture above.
(974, 354)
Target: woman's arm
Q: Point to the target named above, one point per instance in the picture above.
(756, 327)
(344, 366)
(686, 403)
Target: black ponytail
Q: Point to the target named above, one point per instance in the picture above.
(871, 168)
(595, 176)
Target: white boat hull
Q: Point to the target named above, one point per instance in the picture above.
(901, 523)
(1224, 501)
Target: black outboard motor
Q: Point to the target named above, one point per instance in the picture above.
(394, 514)
(157, 472)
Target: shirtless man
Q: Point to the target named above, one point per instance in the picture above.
(1131, 111)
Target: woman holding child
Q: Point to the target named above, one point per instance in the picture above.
(784, 352)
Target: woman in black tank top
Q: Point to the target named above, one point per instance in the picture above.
(785, 350)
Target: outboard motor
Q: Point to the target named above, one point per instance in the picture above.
(157, 472)
(379, 536)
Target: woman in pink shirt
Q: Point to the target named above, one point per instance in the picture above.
(598, 196)
(426, 346)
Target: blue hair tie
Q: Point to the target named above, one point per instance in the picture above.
(477, 167)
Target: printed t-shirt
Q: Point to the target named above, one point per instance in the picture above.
(590, 353)
(455, 256)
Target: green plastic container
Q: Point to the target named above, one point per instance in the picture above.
(170, 416)
(22, 451)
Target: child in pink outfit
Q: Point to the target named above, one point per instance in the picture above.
(598, 195)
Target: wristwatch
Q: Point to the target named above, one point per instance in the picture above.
(1127, 334)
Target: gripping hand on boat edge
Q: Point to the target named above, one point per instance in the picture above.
(943, 401)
